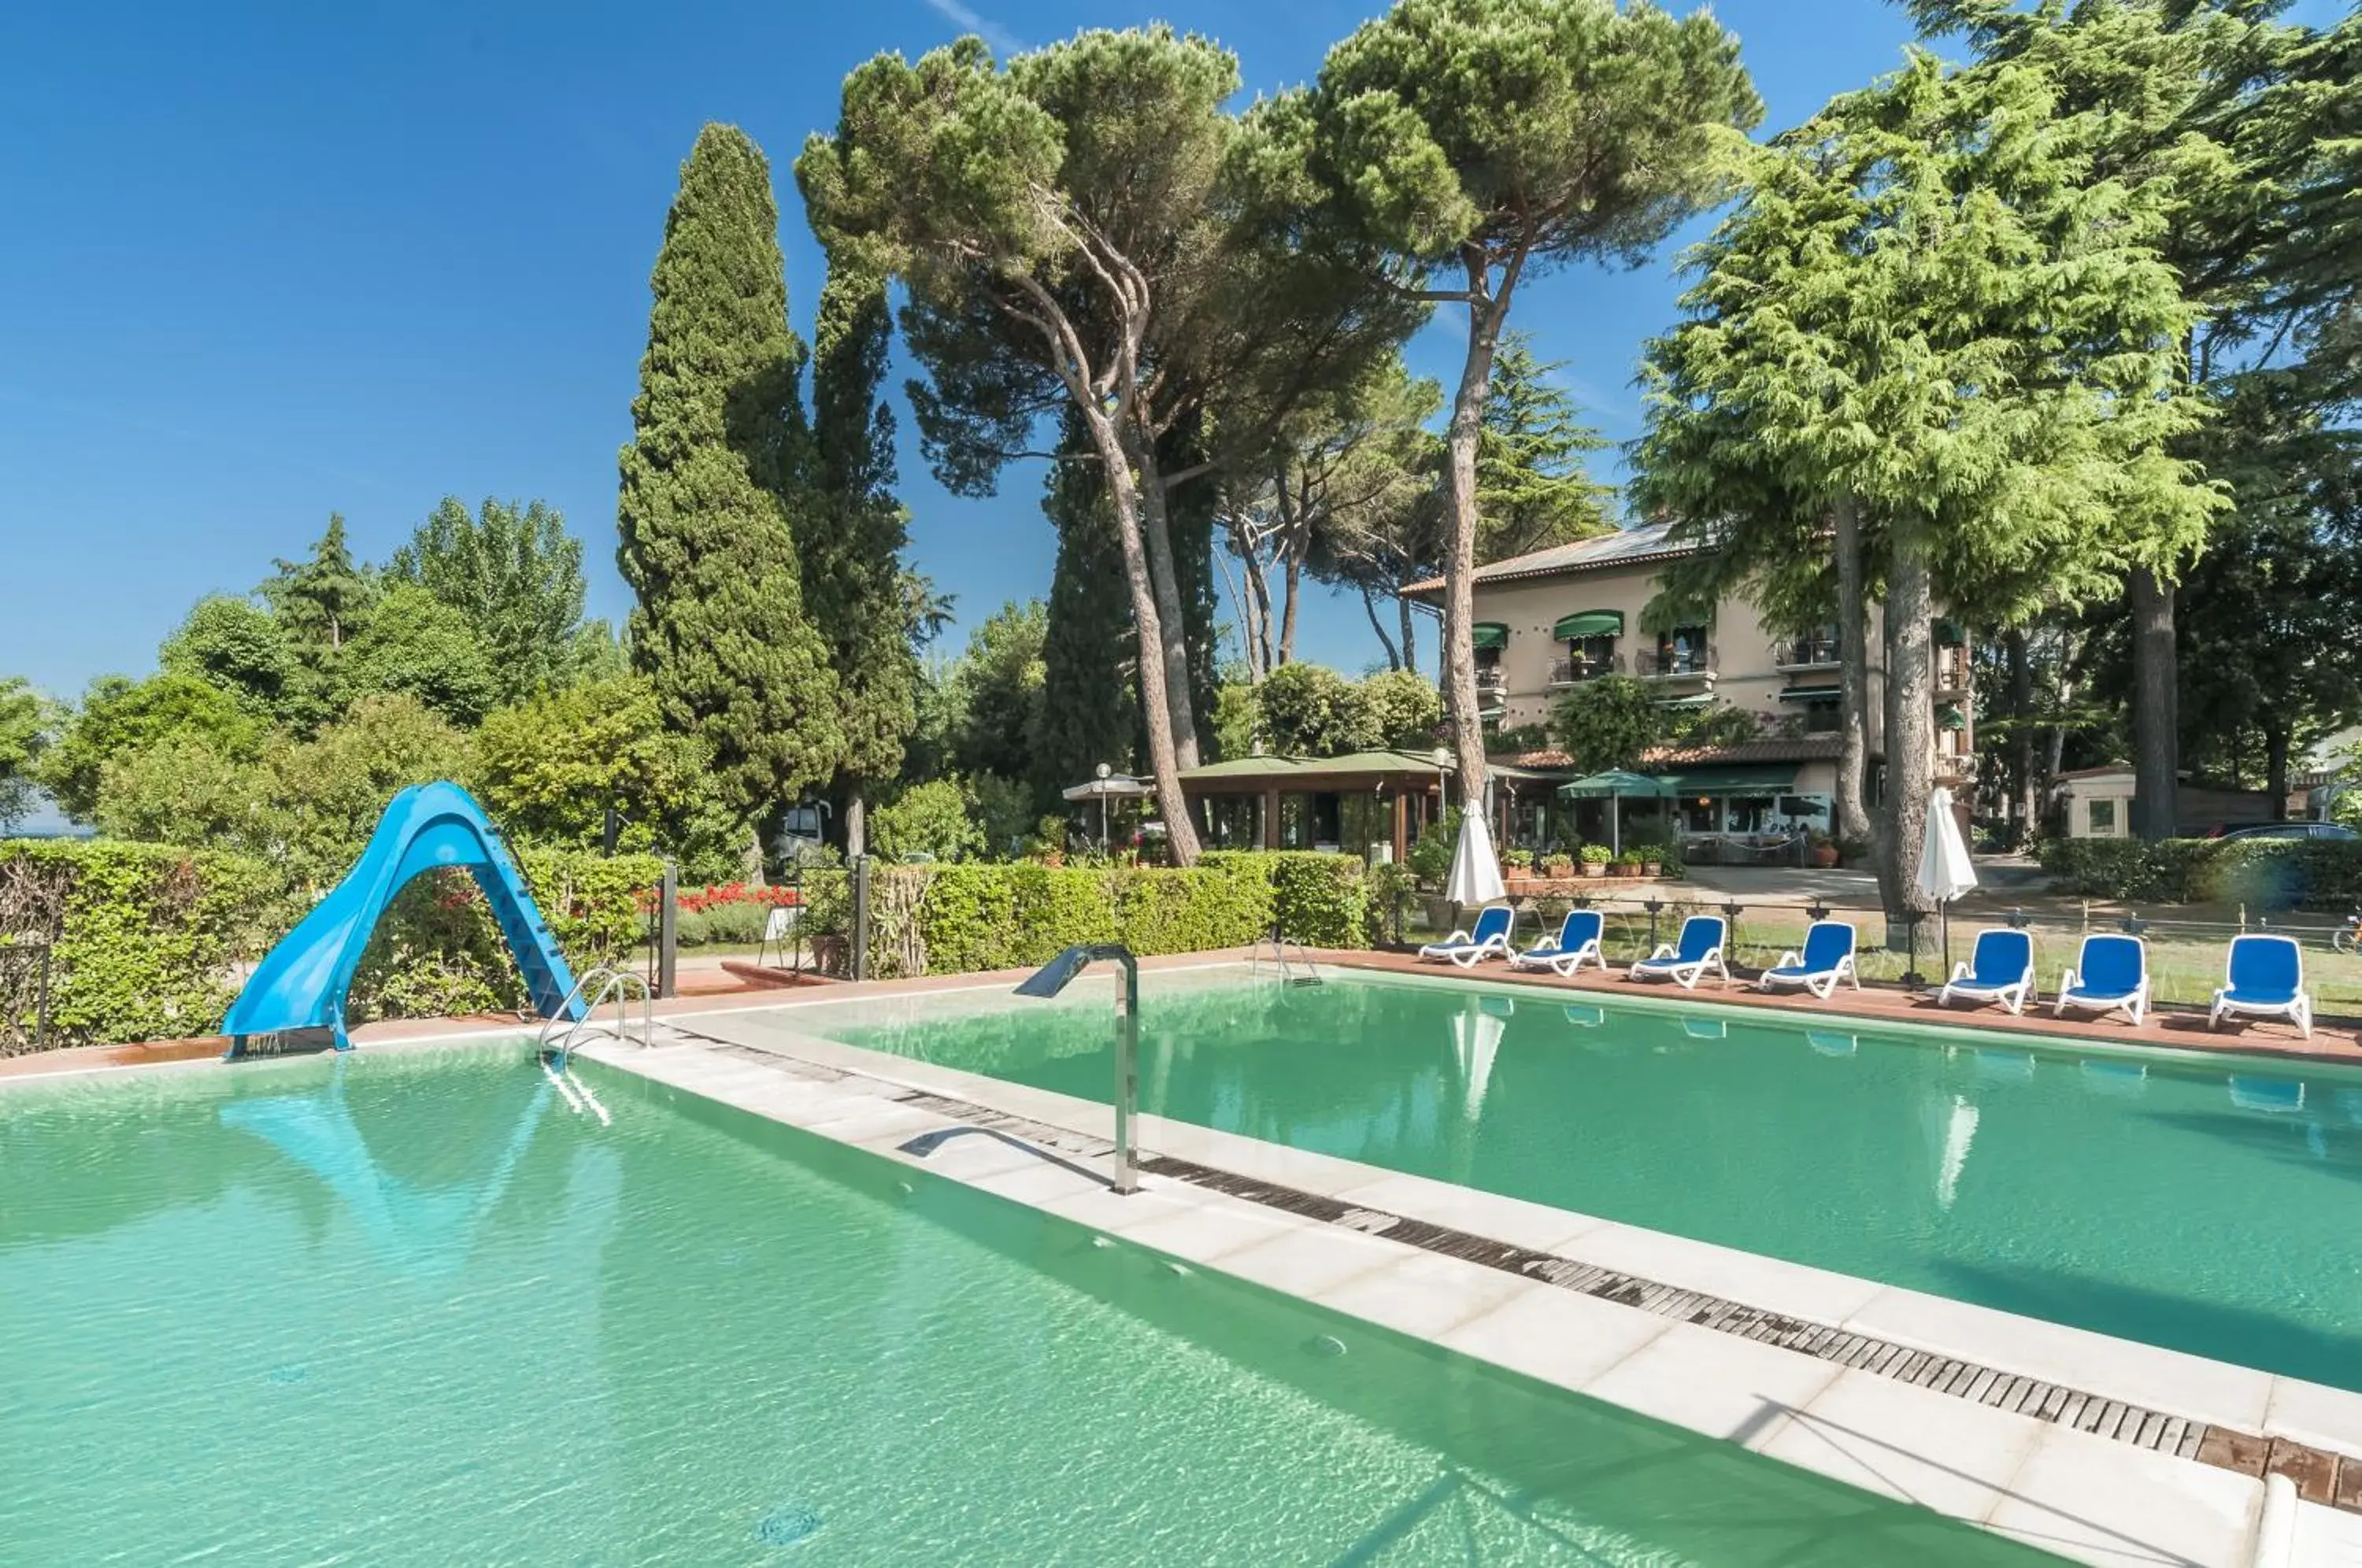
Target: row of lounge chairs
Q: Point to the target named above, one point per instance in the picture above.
(2264, 975)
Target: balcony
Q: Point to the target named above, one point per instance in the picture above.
(1952, 672)
(1575, 670)
(1692, 661)
(1806, 654)
(1492, 683)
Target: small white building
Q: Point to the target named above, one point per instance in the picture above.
(2097, 802)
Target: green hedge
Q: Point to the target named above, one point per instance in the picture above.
(149, 939)
(144, 938)
(2262, 873)
(1321, 900)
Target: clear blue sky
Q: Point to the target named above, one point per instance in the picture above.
(269, 261)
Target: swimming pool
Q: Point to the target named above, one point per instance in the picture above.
(2206, 1209)
(406, 1308)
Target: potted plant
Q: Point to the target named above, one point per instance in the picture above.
(1516, 864)
(1596, 858)
(1557, 867)
(1823, 849)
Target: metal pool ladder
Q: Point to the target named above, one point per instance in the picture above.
(555, 1050)
(1301, 972)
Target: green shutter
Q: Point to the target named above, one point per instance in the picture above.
(1589, 623)
(1488, 635)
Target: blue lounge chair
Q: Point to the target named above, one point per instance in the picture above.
(1576, 944)
(2000, 969)
(2264, 977)
(1685, 962)
(1488, 938)
(1827, 959)
(2110, 975)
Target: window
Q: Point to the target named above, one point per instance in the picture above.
(1593, 656)
(1823, 715)
(1682, 651)
(2103, 819)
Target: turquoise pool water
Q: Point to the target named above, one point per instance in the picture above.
(395, 1310)
(2210, 1210)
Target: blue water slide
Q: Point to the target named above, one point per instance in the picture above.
(303, 981)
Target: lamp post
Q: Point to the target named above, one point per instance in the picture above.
(1053, 977)
(1103, 771)
(1441, 757)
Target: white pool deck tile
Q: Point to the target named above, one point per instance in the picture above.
(1774, 1283)
(1555, 1335)
(1310, 1261)
(1511, 1220)
(2310, 1413)
(2137, 1374)
(2097, 1501)
(1424, 1295)
(1906, 1444)
(2080, 1497)
(2325, 1538)
(1714, 1382)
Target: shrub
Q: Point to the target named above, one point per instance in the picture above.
(143, 937)
(1431, 859)
(928, 821)
(1321, 900)
(2262, 873)
(1596, 854)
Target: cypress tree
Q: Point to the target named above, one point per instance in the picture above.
(1090, 701)
(851, 535)
(720, 629)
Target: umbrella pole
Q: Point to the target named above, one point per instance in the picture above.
(1614, 822)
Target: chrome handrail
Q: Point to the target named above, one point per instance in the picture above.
(617, 984)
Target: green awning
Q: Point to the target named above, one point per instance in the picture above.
(1691, 705)
(1951, 718)
(1758, 778)
(1488, 635)
(1588, 623)
(1600, 786)
(1811, 693)
(1947, 633)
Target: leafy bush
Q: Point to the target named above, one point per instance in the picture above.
(1321, 900)
(1431, 859)
(928, 821)
(143, 937)
(2263, 873)
(1597, 854)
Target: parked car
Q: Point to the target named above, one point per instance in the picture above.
(2294, 830)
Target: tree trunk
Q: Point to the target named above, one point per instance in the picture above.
(2021, 706)
(857, 821)
(2157, 739)
(1289, 584)
(1370, 608)
(1850, 818)
(1173, 638)
(1911, 717)
(1485, 314)
(1125, 491)
(1409, 632)
(2276, 766)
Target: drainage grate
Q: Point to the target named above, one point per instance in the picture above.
(2321, 1477)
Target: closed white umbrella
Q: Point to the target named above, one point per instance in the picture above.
(1476, 870)
(1944, 870)
(1475, 1041)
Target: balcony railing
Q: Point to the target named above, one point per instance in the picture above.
(1491, 682)
(1573, 671)
(1806, 653)
(1695, 662)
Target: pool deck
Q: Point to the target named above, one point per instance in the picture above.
(2101, 1450)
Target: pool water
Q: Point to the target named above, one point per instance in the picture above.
(2186, 1205)
(409, 1309)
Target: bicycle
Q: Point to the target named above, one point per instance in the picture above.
(2347, 938)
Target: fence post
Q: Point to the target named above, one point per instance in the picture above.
(860, 961)
(667, 930)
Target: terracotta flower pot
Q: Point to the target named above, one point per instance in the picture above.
(1594, 868)
(1825, 857)
(1651, 868)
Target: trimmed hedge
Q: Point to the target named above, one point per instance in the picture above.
(953, 920)
(147, 939)
(144, 938)
(2262, 873)
(1321, 900)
